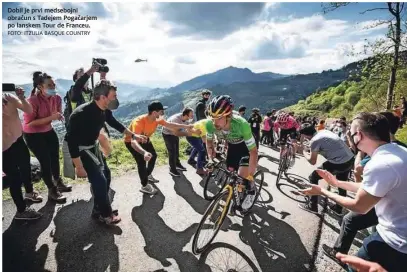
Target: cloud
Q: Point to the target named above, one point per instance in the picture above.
(185, 60)
(278, 47)
(137, 30)
(208, 20)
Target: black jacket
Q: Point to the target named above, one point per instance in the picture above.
(200, 109)
(78, 91)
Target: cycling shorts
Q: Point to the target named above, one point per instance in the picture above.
(238, 155)
(285, 132)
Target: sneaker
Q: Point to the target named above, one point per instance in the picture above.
(331, 253)
(27, 214)
(152, 179)
(181, 167)
(249, 199)
(111, 220)
(175, 173)
(192, 162)
(63, 187)
(148, 189)
(202, 172)
(309, 208)
(54, 194)
(96, 213)
(34, 196)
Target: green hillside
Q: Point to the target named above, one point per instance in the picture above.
(351, 97)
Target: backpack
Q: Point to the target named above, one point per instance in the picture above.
(68, 106)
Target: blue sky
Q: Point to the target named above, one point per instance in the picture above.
(184, 40)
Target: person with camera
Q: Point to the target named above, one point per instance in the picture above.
(78, 94)
(255, 121)
(83, 132)
(41, 137)
(16, 157)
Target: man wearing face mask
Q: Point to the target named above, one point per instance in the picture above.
(201, 105)
(83, 131)
(143, 150)
(384, 188)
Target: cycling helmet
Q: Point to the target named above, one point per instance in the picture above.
(307, 129)
(255, 109)
(282, 117)
(221, 105)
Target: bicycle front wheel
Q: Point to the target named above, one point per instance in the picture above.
(214, 183)
(212, 221)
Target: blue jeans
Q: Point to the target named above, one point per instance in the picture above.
(374, 249)
(198, 148)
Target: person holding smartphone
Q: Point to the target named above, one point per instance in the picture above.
(16, 157)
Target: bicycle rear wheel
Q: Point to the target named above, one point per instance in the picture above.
(216, 214)
(258, 178)
(215, 182)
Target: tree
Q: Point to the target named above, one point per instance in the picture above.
(336, 101)
(382, 47)
(352, 98)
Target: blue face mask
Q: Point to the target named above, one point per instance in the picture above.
(50, 92)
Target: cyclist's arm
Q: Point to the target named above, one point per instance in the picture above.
(210, 148)
(251, 145)
(253, 161)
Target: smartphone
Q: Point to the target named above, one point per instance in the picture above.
(9, 87)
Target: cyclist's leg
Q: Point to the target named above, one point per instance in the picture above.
(293, 136)
(283, 139)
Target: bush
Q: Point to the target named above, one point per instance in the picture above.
(336, 101)
(352, 98)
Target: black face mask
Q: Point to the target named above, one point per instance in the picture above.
(354, 143)
(113, 105)
(205, 99)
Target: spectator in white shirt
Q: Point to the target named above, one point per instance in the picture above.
(384, 188)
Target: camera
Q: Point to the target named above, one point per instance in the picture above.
(8, 87)
(102, 63)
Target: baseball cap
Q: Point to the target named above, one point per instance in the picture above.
(156, 106)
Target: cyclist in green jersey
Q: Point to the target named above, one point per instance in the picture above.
(242, 150)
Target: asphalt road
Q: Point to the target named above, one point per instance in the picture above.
(156, 232)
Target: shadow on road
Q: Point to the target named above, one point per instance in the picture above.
(275, 244)
(84, 244)
(20, 243)
(162, 242)
(225, 257)
(291, 192)
(184, 189)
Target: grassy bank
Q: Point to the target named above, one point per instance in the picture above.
(120, 161)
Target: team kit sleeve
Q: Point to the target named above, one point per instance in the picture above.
(248, 136)
(209, 130)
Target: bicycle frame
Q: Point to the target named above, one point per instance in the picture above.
(234, 180)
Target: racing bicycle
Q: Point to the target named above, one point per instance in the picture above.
(230, 197)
